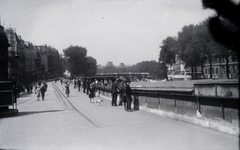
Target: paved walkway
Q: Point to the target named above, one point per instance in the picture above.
(75, 123)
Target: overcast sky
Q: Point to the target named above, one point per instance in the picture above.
(128, 31)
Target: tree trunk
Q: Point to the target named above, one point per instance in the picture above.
(210, 63)
(192, 72)
(195, 72)
(220, 70)
(227, 68)
(202, 71)
(166, 74)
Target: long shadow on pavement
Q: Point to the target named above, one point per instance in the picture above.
(19, 114)
(35, 112)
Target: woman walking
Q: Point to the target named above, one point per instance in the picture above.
(92, 92)
(67, 90)
(37, 91)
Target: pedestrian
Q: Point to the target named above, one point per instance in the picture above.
(61, 81)
(84, 85)
(28, 88)
(43, 89)
(67, 90)
(121, 93)
(127, 94)
(79, 84)
(45, 85)
(114, 90)
(92, 89)
(37, 91)
(75, 82)
(88, 85)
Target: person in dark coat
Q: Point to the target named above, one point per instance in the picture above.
(92, 89)
(84, 85)
(127, 94)
(79, 84)
(67, 90)
(88, 85)
(114, 90)
(121, 93)
(43, 89)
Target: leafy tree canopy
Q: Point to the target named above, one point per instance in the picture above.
(76, 60)
(92, 66)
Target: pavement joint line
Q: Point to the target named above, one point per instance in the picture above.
(86, 115)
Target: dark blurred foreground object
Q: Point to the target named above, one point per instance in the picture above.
(225, 26)
(7, 88)
(3, 55)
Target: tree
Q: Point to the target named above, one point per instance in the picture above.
(76, 60)
(91, 64)
(152, 67)
(196, 46)
(168, 53)
(54, 62)
(207, 45)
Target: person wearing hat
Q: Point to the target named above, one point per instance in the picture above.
(114, 90)
(121, 92)
(127, 95)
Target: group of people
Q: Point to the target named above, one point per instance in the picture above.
(85, 85)
(40, 89)
(120, 89)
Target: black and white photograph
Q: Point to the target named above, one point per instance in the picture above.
(119, 74)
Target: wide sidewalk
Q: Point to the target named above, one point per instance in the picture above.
(55, 124)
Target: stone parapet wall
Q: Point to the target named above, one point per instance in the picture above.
(217, 113)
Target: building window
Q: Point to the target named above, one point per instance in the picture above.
(205, 70)
(216, 70)
(233, 69)
(224, 71)
(212, 70)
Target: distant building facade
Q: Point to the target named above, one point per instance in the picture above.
(219, 68)
(28, 63)
(12, 52)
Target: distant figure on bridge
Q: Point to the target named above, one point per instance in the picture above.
(67, 90)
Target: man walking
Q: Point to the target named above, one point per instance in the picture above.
(121, 92)
(43, 89)
(114, 90)
(79, 84)
(127, 94)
